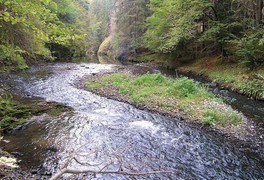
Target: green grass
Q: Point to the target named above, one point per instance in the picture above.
(186, 95)
(261, 71)
(236, 77)
(212, 116)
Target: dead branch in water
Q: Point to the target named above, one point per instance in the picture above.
(101, 166)
(77, 171)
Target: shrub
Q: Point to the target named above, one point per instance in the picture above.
(251, 51)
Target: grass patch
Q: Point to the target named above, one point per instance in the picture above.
(156, 90)
(212, 116)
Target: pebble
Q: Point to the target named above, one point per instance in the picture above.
(6, 141)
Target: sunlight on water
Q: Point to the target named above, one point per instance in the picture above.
(143, 124)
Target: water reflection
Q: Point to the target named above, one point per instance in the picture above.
(108, 60)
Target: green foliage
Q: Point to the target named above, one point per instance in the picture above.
(105, 47)
(251, 51)
(28, 27)
(233, 29)
(147, 84)
(184, 87)
(117, 78)
(151, 80)
(128, 26)
(57, 110)
(13, 113)
(235, 77)
(212, 117)
(94, 85)
(172, 23)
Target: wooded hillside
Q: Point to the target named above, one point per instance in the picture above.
(63, 29)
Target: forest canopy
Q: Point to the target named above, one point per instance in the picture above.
(64, 29)
(46, 29)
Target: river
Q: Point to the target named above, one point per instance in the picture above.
(108, 134)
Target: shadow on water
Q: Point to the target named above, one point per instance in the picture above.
(102, 131)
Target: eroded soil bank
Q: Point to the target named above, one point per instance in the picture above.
(248, 136)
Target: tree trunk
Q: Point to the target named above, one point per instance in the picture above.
(258, 12)
(12, 42)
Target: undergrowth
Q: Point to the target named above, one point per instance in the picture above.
(188, 94)
(236, 77)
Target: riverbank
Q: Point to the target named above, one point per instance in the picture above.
(21, 114)
(244, 134)
(17, 113)
(231, 76)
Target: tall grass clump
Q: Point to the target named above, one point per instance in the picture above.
(183, 87)
(151, 84)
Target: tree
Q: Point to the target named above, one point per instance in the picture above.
(215, 26)
(26, 27)
(130, 16)
(34, 29)
(173, 23)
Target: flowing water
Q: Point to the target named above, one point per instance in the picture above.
(107, 134)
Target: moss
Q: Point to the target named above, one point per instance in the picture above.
(105, 48)
(14, 113)
(57, 110)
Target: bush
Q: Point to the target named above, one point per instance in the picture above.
(251, 51)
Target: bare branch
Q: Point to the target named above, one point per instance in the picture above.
(85, 163)
(77, 171)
